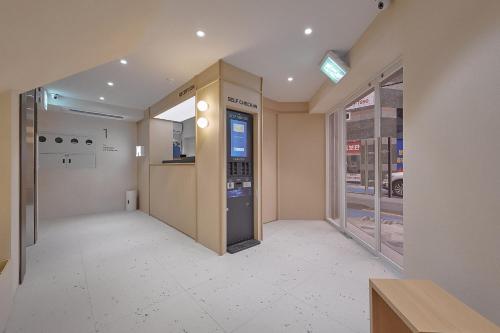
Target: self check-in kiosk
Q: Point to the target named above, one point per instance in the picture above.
(215, 198)
(240, 182)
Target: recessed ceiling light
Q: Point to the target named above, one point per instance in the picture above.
(101, 98)
(290, 79)
(111, 84)
(123, 61)
(200, 33)
(308, 31)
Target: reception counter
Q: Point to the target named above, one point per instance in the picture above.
(173, 195)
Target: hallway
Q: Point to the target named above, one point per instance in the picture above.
(128, 272)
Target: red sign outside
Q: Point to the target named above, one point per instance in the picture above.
(353, 147)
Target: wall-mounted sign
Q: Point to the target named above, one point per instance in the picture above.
(241, 99)
(107, 148)
(187, 90)
(242, 102)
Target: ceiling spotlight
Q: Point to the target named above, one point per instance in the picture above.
(111, 84)
(200, 33)
(202, 122)
(202, 106)
(101, 98)
(123, 61)
(290, 79)
(308, 31)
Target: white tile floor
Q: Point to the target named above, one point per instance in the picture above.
(127, 272)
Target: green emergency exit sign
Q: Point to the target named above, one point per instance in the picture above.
(333, 67)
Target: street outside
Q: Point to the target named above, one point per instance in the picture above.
(361, 214)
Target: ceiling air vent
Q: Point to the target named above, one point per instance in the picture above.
(97, 114)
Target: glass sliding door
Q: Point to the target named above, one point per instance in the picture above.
(360, 150)
(392, 168)
(372, 167)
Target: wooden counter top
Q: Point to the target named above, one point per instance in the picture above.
(423, 307)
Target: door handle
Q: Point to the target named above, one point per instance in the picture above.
(69, 161)
(64, 161)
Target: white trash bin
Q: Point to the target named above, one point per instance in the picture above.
(131, 200)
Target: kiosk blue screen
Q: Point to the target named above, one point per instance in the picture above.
(238, 138)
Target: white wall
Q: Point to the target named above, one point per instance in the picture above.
(66, 192)
(450, 50)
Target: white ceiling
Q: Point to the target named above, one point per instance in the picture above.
(265, 37)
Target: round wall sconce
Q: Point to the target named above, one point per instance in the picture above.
(202, 106)
(202, 122)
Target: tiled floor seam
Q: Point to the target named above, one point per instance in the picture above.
(201, 308)
(87, 291)
(259, 312)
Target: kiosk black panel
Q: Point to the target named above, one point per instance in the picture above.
(240, 215)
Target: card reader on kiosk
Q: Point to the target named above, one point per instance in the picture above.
(240, 209)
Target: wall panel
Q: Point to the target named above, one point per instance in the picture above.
(173, 193)
(301, 166)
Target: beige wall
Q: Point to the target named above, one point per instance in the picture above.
(69, 192)
(301, 166)
(173, 196)
(9, 199)
(208, 172)
(160, 141)
(293, 162)
(450, 51)
(270, 167)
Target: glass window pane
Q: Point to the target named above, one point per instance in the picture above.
(360, 168)
(392, 168)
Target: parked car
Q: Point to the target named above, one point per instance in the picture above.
(397, 183)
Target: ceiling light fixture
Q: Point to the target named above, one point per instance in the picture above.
(290, 79)
(308, 31)
(202, 106)
(123, 61)
(200, 33)
(101, 98)
(111, 83)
